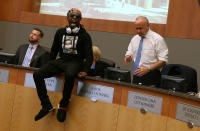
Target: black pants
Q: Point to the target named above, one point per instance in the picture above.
(70, 67)
(151, 78)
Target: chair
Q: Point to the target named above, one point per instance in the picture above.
(118, 74)
(100, 67)
(107, 62)
(186, 72)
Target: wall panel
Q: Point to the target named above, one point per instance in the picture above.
(10, 10)
(183, 20)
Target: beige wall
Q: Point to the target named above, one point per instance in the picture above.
(113, 45)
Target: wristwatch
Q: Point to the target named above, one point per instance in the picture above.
(149, 67)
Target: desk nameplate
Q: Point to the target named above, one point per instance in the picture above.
(4, 75)
(150, 103)
(188, 113)
(99, 92)
(52, 84)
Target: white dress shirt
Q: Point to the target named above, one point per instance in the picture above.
(154, 49)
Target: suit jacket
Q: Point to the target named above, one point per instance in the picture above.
(40, 56)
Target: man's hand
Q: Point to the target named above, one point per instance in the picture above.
(141, 71)
(127, 59)
(82, 74)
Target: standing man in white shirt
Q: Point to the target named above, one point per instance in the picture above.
(152, 57)
(32, 54)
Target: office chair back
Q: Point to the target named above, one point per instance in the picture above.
(182, 71)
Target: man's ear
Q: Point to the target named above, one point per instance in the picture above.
(40, 38)
(67, 18)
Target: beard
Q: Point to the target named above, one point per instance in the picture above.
(72, 25)
(33, 41)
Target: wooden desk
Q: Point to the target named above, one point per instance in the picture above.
(170, 99)
(121, 89)
(12, 74)
(20, 104)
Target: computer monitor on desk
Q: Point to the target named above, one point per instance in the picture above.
(118, 74)
(6, 57)
(174, 83)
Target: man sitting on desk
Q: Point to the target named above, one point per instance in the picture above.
(149, 52)
(32, 54)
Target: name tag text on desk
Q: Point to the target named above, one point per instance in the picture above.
(102, 93)
(152, 104)
(4, 75)
(52, 84)
(188, 113)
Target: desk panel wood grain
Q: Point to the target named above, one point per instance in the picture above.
(13, 72)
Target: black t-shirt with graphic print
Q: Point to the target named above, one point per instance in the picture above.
(73, 45)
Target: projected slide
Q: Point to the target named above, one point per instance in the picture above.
(122, 10)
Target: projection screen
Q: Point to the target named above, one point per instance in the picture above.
(121, 10)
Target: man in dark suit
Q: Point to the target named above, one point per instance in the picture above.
(32, 54)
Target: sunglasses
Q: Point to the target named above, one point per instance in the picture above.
(73, 14)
